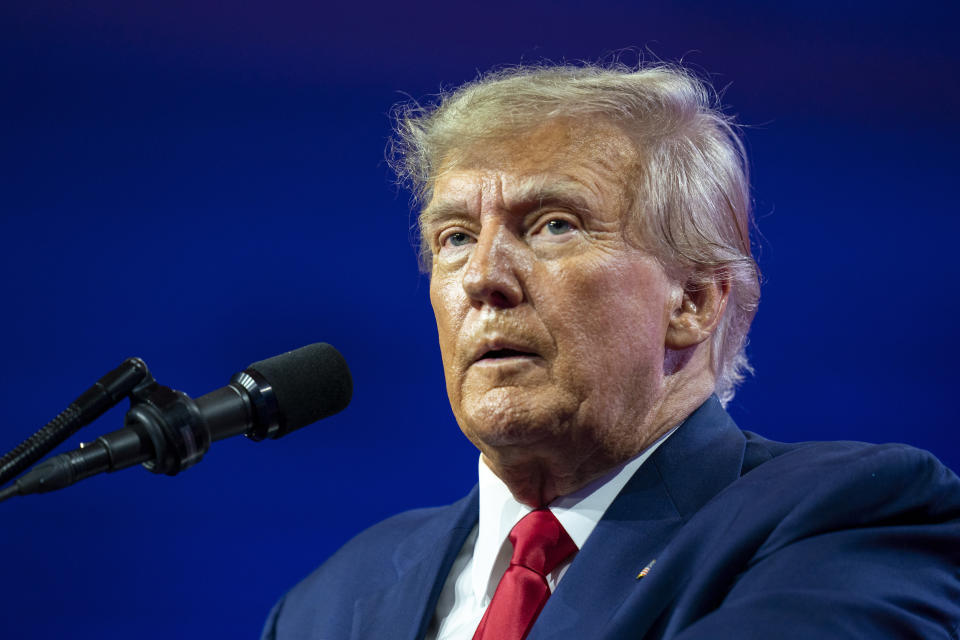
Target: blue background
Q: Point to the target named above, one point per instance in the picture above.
(202, 184)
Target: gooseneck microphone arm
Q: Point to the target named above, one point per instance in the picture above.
(90, 405)
(166, 431)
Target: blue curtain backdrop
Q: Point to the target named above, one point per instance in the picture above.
(202, 184)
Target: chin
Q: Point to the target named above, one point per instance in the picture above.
(501, 419)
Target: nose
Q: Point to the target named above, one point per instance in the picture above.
(492, 275)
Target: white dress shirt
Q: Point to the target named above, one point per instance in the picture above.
(486, 553)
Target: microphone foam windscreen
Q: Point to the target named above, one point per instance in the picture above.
(310, 383)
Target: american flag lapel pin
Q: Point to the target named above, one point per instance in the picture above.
(643, 572)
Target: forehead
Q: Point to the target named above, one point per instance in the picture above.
(564, 157)
(555, 143)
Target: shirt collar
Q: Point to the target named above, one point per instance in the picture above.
(578, 512)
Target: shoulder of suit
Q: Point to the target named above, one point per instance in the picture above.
(845, 483)
(816, 491)
(892, 458)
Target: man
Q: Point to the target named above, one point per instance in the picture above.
(586, 233)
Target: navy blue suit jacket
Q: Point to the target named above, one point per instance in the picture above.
(751, 539)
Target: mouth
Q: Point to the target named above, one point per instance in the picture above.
(499, 354)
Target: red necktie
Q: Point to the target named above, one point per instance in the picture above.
(540, 543)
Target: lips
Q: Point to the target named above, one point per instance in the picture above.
(501, 349)
(504, 353)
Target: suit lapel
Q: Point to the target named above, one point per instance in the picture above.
(422, 560)
(630, 534)
(701, 458)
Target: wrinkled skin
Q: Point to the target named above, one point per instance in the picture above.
(566, 348)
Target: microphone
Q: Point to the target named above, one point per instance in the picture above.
(167, 432)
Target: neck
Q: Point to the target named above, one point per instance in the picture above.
(538, 474)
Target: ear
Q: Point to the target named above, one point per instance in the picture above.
(699, 310)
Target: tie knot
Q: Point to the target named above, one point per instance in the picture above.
(540, 542)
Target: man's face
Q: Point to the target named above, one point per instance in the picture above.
(551, 324)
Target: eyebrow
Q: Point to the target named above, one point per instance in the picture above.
(532, 194)
(536, 193)
(434, 213)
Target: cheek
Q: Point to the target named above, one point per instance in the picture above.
(445, 309)
(612, 313)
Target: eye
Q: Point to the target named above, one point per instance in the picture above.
(558, 226)
(455, 239)
(555, 228)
